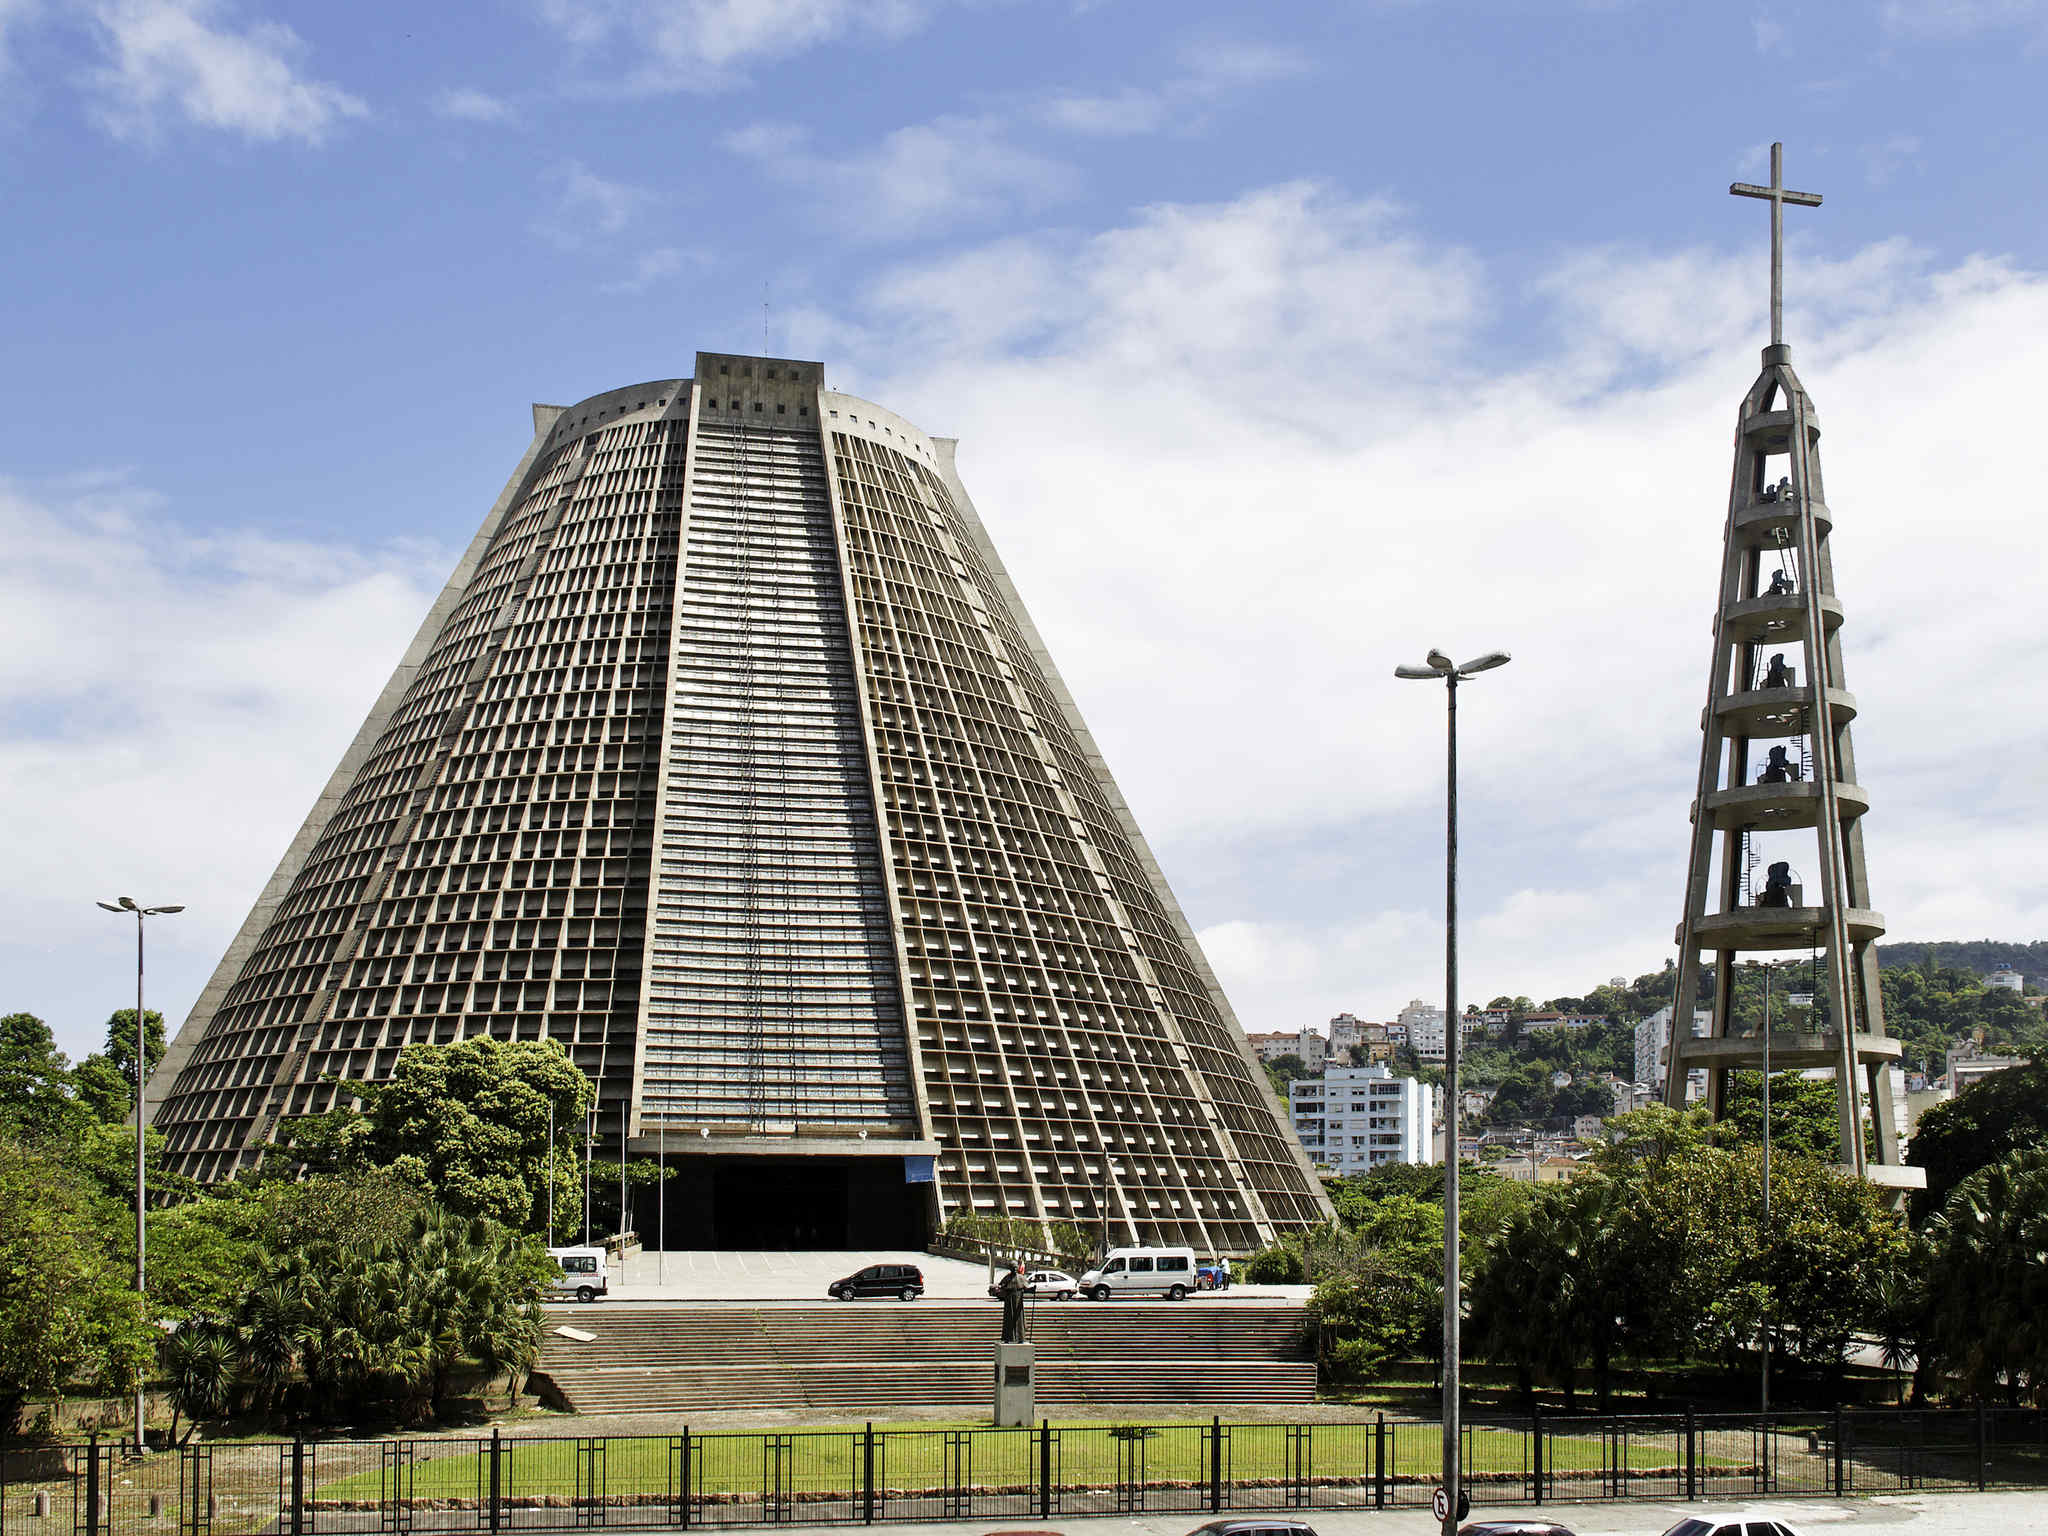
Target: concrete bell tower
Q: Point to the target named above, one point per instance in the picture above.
(1777, 860)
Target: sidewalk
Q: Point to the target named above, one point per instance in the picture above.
(1932, 1514)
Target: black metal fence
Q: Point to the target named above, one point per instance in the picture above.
(863, 1475)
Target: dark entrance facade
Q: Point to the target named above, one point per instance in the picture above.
(798, 1203)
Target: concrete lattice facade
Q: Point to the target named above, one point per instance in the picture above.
(730, 759)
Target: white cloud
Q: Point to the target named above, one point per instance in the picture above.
(472, 106)
(1208, 68)
(180, 58)
(705, 44)
(174, 702)
(588, 207)
(925, 177)
(649, 269)
(1959, 18)
(1769, 33)
(1243, 458)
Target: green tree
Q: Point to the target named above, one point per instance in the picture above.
(1534, 1294)
(1983, 1124)
(469, 1122)
(1832, 1245)
(1379, 1309)
(1986, 1263)
(1802, 1113)
(38, 1099)
(1282, 1070)
(203, 1254)
(106, 1079)
(68, 1312)
(383, 1328)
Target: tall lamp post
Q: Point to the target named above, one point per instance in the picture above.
(119, 905)
(1441, 667)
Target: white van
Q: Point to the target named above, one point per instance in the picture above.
(1169, 1272)
(583, 1273)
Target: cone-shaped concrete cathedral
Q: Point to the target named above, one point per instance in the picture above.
(730, 759)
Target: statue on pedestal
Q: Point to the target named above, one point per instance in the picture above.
(1010, 1291)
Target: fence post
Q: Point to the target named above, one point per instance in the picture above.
(92, 1484)
(867, 1473)
(1692, 1485)
(497, 1478)
(1045, 1469)
(1983, 1450)
(1379, 1461)
(298, 1486)
(1215, 1463)
(683, 1504)
(1536, 1454)
(1841, 1455)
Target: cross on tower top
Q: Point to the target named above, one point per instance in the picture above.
(1778, 197)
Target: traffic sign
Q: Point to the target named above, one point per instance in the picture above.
(1440, 1504)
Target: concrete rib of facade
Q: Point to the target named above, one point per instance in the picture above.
(730, 759)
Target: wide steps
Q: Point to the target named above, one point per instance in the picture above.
(856, 1357)
(919, 1384)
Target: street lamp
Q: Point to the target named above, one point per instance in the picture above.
(1440, 666)
(117, 906)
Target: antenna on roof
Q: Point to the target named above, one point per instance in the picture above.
(765, 348)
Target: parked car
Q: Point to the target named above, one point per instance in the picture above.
(1514, 1528)
(1053, 1284)
(1738, 1523)
(903, 1281)
(1272, 1525)
(1168, 1272)
(582, 1273)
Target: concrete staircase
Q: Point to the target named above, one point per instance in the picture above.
(870, 1357)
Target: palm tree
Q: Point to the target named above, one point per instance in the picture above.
(1987, 1277)
(1529, 1297)
(1895, 1318)
(202, 1367)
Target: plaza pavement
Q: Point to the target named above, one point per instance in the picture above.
(1933, 1514)
(783, 1275)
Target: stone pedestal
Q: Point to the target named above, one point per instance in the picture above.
(1016, 1393)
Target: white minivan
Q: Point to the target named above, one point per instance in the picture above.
(1168, 1272)
(583, 1273)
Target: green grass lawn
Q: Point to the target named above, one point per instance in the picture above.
(916, 1456)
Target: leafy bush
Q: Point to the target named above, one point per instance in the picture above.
(1278, 1265)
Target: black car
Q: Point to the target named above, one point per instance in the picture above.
(904, 1281)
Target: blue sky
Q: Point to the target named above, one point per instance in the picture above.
(1282, 344)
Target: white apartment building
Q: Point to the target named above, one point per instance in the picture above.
(1967, 1065)
(1653, 1043)
(1423, 1025)
(1309, 1045)
(1348, 1032)
(1356, 1118)
(2010, 981)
